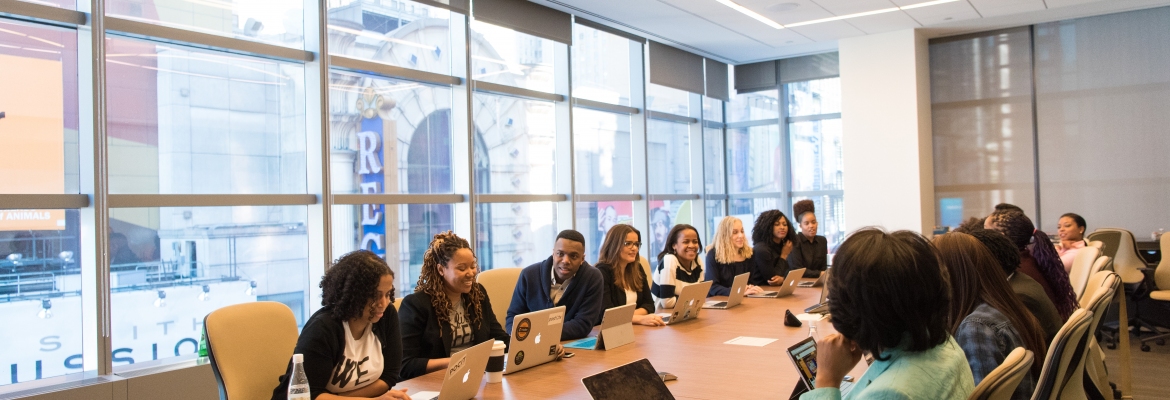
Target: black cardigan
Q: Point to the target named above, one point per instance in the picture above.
(615, 296)
(768, 261)
(322, 342)
(817, 252)
(424, 340)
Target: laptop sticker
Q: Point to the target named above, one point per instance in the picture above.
(519, 357)
(556, 318)
(455, 366)
(552, 350)
(523, 329)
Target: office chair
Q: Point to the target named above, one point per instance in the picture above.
(250, 346)
(500, 284)
(1098, 244)
(398, 303)
(1121, 246)
(1004, 379)
(1061, 378)
(1098, 296)
(1082, 265)
(1162, 290)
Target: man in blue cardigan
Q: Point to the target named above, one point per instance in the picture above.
(564, 279)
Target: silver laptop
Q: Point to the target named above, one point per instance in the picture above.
(819, 282)
(617, 329)
(636, 380)
(786, 287)
(822, 306)
(535, 337)
(690, 302)
(464, 373)
(738, 285)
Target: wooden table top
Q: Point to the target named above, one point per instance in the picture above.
(693, 350)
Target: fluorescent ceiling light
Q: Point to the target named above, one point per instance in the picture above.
(775, 25)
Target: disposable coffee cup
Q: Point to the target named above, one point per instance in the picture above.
(495, 366)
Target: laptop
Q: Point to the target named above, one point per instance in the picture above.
(464, 373)
(616, 330)
(817, 283)
(737, 287)
(636, 380)
(804, 357)
(823, 306)
(535, 337)
(786, 287)
(690, 302)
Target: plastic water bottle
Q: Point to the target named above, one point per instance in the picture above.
(298, 384)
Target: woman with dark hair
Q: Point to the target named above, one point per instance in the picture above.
(985, 317)
(623, 280)
(905, 330)
(678, 264)
(1026, 289)
(772, 239)
(811, 251)
(1038, 259)
(448, 311)
(355, 326)
(1071, 230)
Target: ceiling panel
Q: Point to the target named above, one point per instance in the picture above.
(846, 7)
(992, 8)
(1065, 3)
(828, 31)
(781, 11)
(885, 22)
(937, 14)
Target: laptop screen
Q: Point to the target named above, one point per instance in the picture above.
(804, 356)
(636, 380)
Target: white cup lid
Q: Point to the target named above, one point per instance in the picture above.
(298, 358)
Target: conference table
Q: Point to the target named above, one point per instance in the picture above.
(694, 351)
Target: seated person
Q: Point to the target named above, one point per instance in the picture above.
(1026, 289)
(448, 311)
(985, 317)
(623, 279)
(356, 325)
(728, 257)
(1038, 258)
(772, 241)
(811, 251)
(564, 279)
(1071, 230)
(678, 265)
(915, 357)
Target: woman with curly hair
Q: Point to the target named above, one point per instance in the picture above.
(1038, 259)
(772, 240)
(351, 346)
(448, 311)
(622, 279)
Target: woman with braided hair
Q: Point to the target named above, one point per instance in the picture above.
(1038, 259)
(448, 311)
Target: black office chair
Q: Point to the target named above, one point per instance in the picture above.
(1131, 267)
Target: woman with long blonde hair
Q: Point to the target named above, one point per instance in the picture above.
(448, 311)
(623, 279)
(729, 256)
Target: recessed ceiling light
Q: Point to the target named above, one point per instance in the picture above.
(789, 6)
(750, 13)
(782, 7)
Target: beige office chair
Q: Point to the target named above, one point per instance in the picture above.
(398, 303)
(1098, 244)
(1098, 296)
(1161, 291)
(1061, 378)
(1126, 260)
(1004, 379)
(1103, 263)
(250, 346)
(500, 283)
(646, 268)
(1082, 265)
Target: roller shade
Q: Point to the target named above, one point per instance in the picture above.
(612, 31)
(717, 80)
(459, 6)
(817, 66)
(755, 76)
(675, 68)
(526, 17)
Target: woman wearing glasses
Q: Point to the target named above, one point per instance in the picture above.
(448, 311)
(623, 279)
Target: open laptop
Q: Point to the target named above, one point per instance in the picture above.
(535, 337)
(690, 302)
(636, 380)
(616, 330)
(822, 306)
(817, 283)
(786, 287)
(737, 287)
(464, 373)
(804, 357)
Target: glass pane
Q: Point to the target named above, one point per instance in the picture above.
(712, 109)
(748, 209)
(602, 143)
(754, 106)
(40, 294)
(715, 212)
(399, 32)
(822, 96)
(38, 109)
(665, 214)
(713, 176)
(830, 218)
(280, 23)
(668, 147)
(186, 121)
(816, 155)
(668, 100)
(595, 219)
(515, 145)
(601, 66)
(518, 234)
(171, 266)
(753, 156)
(403, 231)
(416, 118)
(504, 56)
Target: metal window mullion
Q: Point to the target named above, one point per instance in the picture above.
(594, 198)
(95, 220)
(166, 34)
(519, 198)
(659, 115)
(606, 107)
(513, 91)
(640, 141)
(748, 124)
(320, 214)
(41, 13)
(43, 201)
(469, 87)
(811, 118)
(785, 155)
(209, 200)
(391, 71)
(566, 181)
(397, 199)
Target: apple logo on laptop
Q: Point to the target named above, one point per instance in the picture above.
(791, 283)
(465, 375)
(538, 338)
(740, 291)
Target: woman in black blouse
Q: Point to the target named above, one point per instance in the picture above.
(811, 251)
(623, 278)
(729, 256)
(772, 240)
(448, 311)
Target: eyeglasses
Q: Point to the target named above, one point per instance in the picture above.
(628, 244)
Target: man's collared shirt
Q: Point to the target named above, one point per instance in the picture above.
(557, 289)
